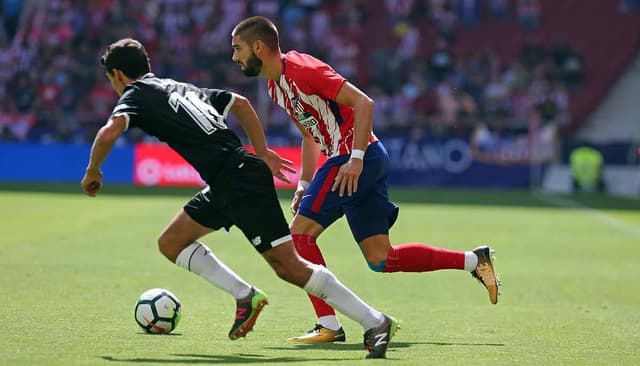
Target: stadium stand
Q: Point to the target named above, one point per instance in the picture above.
(617, 118)
(433, 66)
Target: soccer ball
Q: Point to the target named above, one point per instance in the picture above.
(157, 311)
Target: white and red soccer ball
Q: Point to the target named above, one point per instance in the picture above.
(158, 311)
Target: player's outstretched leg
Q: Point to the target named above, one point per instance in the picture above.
(376, 340)
(320, 334)
(328, 328)
(485, 272)
(247, 311)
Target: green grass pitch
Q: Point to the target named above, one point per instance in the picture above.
(71, 268)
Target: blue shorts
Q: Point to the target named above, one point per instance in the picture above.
(369, 211)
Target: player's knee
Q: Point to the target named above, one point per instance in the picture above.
(167, 247)
(302, 225)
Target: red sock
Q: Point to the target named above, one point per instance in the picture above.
(418, 257)
(308, 249)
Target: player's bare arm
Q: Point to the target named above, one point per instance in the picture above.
(248, 118)
(310, 153)
(103, 143)
(347, 177)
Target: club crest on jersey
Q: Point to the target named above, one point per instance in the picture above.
(301, 115)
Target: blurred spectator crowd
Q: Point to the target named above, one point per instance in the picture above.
(52, 88)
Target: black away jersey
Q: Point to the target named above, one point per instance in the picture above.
(189, 119)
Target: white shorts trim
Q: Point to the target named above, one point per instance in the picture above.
(282, 240)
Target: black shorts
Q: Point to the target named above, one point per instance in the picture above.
(243, 195)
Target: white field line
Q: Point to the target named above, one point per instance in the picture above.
(596, 214)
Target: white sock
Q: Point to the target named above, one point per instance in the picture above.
(326, 286)
(329, 322)
(199, 259)
(470, 261)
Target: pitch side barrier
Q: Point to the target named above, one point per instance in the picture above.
(430, 162)
(59, 163)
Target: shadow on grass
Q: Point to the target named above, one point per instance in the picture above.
(445, 196)
(214, 359)
(463, 344)
(246, 358)
(359, 346)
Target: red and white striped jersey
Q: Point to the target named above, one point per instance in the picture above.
(307, 90)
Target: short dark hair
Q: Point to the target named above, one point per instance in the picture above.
(127, 55)
(258, 28)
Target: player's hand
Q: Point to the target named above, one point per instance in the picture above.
(278, 165)
(347, 177)
(297, 197)
(91, 182)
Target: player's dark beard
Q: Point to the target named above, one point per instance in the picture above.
(253, 66)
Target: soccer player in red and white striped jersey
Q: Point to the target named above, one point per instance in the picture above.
(336, 118)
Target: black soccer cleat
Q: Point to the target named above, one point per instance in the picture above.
(247, 311)
(485, 272)
(376, 340)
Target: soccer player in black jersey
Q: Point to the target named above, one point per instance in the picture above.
(240, 189)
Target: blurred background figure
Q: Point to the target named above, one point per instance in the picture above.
(586, 170)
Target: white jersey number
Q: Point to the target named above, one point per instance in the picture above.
(202, 113)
